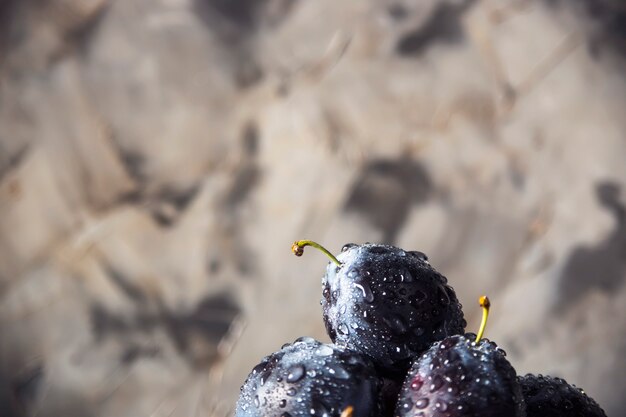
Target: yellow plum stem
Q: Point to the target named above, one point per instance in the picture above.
(347, 412)
(484, 302)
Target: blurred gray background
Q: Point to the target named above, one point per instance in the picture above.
(159, 157)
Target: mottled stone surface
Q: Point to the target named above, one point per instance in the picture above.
(158, 157)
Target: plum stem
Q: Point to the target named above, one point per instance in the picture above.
(298, 249)
(484, 302)
(347, 412)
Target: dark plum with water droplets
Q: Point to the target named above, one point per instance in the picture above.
(457, 377)
(313, 379)
(554, 397)
(389, 304)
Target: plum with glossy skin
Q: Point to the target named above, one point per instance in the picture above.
(458, 377)
(313, 379)
(546, 396)
(389, 304)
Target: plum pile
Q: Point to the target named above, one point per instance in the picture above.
(399, 349)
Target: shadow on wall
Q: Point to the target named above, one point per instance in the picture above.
(609, 18)
(601, 267)
(386, 190)
(196, 335)
(235, 20)
(168, 203)
(443, 26)
(235, 23)
(7, 9)
(19, 392)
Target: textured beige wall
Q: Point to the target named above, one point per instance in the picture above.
(158, 157)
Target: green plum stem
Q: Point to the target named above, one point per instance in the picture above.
(298, 249)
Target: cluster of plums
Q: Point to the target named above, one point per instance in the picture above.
(399, 349)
